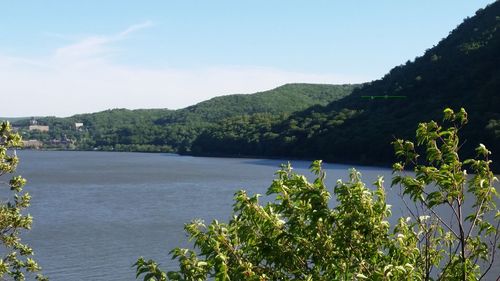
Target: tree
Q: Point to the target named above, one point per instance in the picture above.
(451, 246)
(299, 236)
(16, 256)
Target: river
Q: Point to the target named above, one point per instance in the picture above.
(95, 213)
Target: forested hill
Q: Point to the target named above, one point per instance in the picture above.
(284, 99)
(174, 130)
(463, 70)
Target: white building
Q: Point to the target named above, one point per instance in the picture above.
(78, 126)
(40, 128)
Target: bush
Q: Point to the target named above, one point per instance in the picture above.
(15, 256)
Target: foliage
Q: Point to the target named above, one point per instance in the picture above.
(246, 134)
(16, 257)
(284, 99)
(451, 242)
(299, 236)
(272, 134)
(296, 237)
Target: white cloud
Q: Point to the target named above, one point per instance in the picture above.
(134, 28)
(80, 77)
(94, 47)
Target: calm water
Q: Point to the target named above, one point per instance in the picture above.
(96, 212)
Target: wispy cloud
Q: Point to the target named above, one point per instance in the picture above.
(134, 28)
(94, 47)
(82, 77)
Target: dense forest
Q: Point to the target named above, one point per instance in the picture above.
(461, 71)
(155, 130)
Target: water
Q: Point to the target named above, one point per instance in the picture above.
(97, 212)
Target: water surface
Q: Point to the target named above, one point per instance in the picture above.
(96, 212)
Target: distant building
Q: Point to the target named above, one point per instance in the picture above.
(36, 144)
(78, 126)
(40, 128)
(35, 127)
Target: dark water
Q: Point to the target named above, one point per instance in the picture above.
(96, 212)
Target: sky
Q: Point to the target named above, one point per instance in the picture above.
(59, 58)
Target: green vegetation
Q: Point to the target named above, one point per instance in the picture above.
(285, 99)
(15, 256)
(298, 236)
(358, 129)
(164, 130)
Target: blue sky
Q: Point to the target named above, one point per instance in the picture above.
(66, 57)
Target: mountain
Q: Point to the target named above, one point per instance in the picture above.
(284, 99)
(461, 71)
(174, 130)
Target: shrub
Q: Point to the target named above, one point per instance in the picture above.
(15, 256)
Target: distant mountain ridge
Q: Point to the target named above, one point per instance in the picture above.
(283, 99)
(174, 130)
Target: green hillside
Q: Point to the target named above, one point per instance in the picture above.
(174, 130)
(461, 71)
(285, 99)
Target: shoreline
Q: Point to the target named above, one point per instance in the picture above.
(231, 156)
